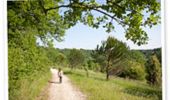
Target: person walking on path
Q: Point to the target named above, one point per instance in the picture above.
(60, 75)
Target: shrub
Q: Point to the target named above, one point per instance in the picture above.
(134, 70)
(93, 66)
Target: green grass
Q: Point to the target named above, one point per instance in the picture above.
(97, 88)
(30, 90)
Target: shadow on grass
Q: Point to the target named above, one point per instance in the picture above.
(139, 91)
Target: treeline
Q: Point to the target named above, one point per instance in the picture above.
(133, 64)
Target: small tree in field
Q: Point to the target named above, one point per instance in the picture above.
(99, 58)
(153, 70)
(114, 51)
(75, 58)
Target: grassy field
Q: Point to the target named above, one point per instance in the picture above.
(31, 90)
(97, 88)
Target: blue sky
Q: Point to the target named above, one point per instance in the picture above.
(82, 36)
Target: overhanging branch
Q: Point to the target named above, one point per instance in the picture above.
(90, 7)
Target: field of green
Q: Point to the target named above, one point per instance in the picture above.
(36, 26)
(95, 87)
(31, 90)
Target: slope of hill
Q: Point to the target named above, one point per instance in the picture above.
(96, 88)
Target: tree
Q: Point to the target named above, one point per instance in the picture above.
(99, 58)
(61, 59)
(136, 56)
(52, 54)
(75, 58)
(26, 62)
(135, 66)
(158, 53)
(153, 70)
(54, 17)
(114, 52)
(134, 70)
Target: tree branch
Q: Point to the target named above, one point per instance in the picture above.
(90, 7)
(41, 4)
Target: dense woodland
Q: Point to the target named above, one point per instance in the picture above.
(29, 63)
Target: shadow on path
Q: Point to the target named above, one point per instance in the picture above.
(54, 82)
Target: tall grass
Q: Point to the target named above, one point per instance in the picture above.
(30, 89)
(97, 88)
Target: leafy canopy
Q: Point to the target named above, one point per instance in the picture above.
(113, 53)
(54, 17)
(113, 49)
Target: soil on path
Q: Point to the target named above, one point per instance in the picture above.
(64, 90)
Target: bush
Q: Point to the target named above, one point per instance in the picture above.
(93, 66)
(134, 70)
(26, 61)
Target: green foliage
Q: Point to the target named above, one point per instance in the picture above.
(135, 71)
(55, 56)
(31, 89)
(135, 66)
(157, 51)
(136, 56)
(129, 14)
(61, 59)
(153, 69)
(54, 17)
(52, 54)
(29, 20)
(113, 52)
(92, 65)
(100, 59)
(75, 58)
(26, 61)
(30, 14)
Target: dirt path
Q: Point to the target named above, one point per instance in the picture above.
(63, 91)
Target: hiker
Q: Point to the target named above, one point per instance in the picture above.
(60, 75)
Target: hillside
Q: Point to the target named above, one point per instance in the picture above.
(96, 88)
